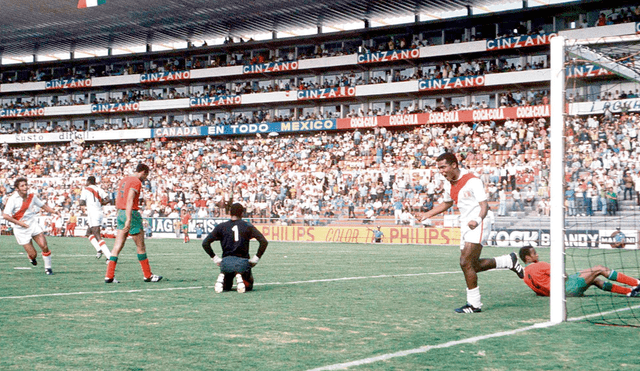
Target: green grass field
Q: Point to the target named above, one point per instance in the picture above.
(383, 307)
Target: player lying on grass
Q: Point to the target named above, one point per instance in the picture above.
(234, 236)
(537, 276)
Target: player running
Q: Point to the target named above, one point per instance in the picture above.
(129, 223)
(234, 236)
(21, 209)
(93, 197)
(467, 191)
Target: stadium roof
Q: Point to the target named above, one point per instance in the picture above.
(29, 27)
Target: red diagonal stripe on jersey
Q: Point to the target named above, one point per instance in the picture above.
(95, 194)
(455, 188)
(25, 205)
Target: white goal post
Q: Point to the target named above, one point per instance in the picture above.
(557, 301)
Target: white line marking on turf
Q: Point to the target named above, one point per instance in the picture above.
(354, 278)
(209, 287)
(99, 292)
(573, 319)
(426, 348)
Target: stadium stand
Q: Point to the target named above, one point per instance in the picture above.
(303, 133)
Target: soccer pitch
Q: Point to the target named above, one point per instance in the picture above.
(315, 306)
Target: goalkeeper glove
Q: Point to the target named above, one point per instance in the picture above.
(217, 260)
(253, 261)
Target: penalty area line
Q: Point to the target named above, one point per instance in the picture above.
(99, 292)
(354, 278)
(210, 287)
(602, 314)
(426, 348)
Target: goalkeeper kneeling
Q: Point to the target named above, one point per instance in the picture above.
(234, 236)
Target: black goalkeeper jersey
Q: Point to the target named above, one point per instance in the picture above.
(234, 236)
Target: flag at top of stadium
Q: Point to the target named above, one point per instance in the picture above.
(90, 3)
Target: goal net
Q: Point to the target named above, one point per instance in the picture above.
(594, 177)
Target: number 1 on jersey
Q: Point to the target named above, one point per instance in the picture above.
(236, 233)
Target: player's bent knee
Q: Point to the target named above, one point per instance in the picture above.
(466, 264)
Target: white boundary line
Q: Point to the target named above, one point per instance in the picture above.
(574, 319)
(426, 348)
(203, 287)
(356, 278)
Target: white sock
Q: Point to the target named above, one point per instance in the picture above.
(473, 297)
(94, 242)
(240, 283)
(239, 278)
(47, 261)
(504, 262)
(105, 249)
(219, 286)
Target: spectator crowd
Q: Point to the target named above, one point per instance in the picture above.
(314, 177)
(509, 99)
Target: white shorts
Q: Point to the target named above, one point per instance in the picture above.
(24, 235)
(95, 219)
(479, 235)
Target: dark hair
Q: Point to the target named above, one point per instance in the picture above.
(18, 181)
(142, 168)
(524, 252)
(449, 157)
(91, 180)
(236, 210)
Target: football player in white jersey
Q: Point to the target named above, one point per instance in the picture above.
(467, 191)
(93, 197)
(21, 209)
